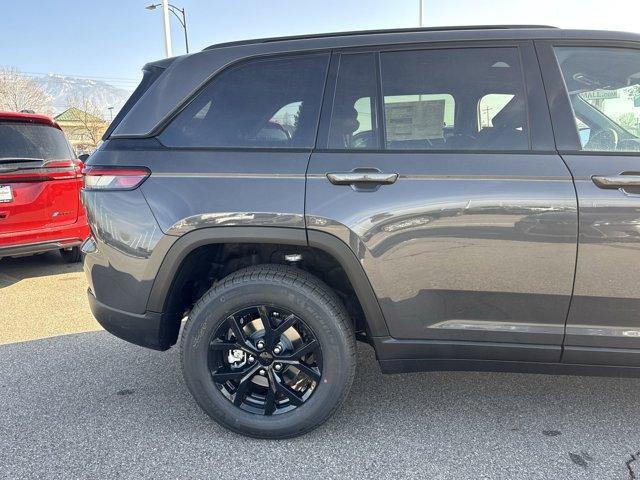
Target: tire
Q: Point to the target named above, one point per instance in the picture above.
(321, 314)
(72, 255)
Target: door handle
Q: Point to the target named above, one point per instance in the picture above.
(616, 181)
(362, 178)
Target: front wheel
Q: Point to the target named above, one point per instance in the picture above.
(269, 352)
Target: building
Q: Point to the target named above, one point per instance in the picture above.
(83, 129)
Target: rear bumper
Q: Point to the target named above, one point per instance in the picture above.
(44, 239)
(146, 329)
(31, 248)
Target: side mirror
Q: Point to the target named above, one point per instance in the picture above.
(83, 157)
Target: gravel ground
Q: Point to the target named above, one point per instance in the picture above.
(92, 406)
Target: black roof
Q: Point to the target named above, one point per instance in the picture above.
(375, 32)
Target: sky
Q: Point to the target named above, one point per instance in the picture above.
(111, 40)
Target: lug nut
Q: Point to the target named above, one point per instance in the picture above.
(278, 367)
(277, 349)
(262, 372)
(251, 359)
(260, 344)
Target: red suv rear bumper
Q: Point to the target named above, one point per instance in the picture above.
(44, 239)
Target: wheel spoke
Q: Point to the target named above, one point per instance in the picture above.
(264, 317)
(241, 340)
(271, 337)
(270, 401)
(286, 323)
(243, 385)
(221, 377)
(236, 329)
(241, 393)
(287, 392)
(308, 371)
(224, 345)
(302, 351)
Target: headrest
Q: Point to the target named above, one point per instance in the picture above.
(348, 121)
(512, 114)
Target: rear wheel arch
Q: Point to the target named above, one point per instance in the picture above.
(186, 249)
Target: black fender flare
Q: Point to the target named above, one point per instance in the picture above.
(326, 242)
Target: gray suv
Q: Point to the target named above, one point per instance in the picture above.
(457, 198)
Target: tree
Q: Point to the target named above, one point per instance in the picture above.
(19, 92)
(629, 122)
(83, 123)
(633, 91)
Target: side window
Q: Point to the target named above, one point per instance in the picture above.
(604, 88)
(353, 117)
(432, 99)
(260, 103)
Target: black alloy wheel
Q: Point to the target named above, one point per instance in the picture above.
(265, 360)
(269, 351)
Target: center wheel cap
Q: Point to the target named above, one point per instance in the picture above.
(266, 358)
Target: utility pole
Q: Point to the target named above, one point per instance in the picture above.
(486, 111)
(167, 29)
(420, 20)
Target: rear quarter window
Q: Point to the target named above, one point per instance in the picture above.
(265, 103)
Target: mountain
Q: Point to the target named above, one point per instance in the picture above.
(67, 91)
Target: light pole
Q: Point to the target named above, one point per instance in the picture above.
(420, 7)
(110, 112)
(183, 21)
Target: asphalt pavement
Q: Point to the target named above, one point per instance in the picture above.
(88, 405)
(41, 296)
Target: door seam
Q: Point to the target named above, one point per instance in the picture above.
(575, 191)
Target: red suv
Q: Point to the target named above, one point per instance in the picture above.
(40, 180)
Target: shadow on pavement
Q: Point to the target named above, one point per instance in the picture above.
(13, 270)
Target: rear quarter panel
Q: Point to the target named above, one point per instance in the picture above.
(191, 189)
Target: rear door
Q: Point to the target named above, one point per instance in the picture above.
(39, 181)
(437, 167)
(595, 101)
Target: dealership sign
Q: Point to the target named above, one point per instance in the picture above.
(600, 94)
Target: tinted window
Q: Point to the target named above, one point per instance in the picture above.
(30, 140)
(353, 123)
(604, 89)
(261, 103)
(431, 99)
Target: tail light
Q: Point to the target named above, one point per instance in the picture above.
(113, 178)
(49, 170)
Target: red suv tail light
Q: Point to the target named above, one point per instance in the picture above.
(114, 178)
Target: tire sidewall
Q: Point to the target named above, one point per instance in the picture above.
(309, 306)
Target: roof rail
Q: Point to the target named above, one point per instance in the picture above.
(372, 32)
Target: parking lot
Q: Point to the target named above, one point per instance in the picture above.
(76, 402)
